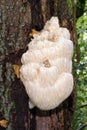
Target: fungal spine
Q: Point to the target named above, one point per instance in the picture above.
(46, 70)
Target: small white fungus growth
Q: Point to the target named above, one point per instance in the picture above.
(47, 66)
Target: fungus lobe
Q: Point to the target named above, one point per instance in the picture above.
(46, 70)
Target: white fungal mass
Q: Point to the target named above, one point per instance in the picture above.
(47, 66)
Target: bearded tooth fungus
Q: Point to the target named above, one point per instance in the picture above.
(47, 66)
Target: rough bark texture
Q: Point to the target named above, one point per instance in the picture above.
(17, 19)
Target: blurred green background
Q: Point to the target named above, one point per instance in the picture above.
(80, 117)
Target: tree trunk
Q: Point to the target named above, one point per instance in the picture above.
(17, 19)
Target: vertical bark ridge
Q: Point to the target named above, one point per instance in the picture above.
(63, 13)
(36, 15)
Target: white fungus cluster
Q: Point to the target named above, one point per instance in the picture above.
(47, 66)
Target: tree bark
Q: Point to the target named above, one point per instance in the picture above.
(17, 19)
